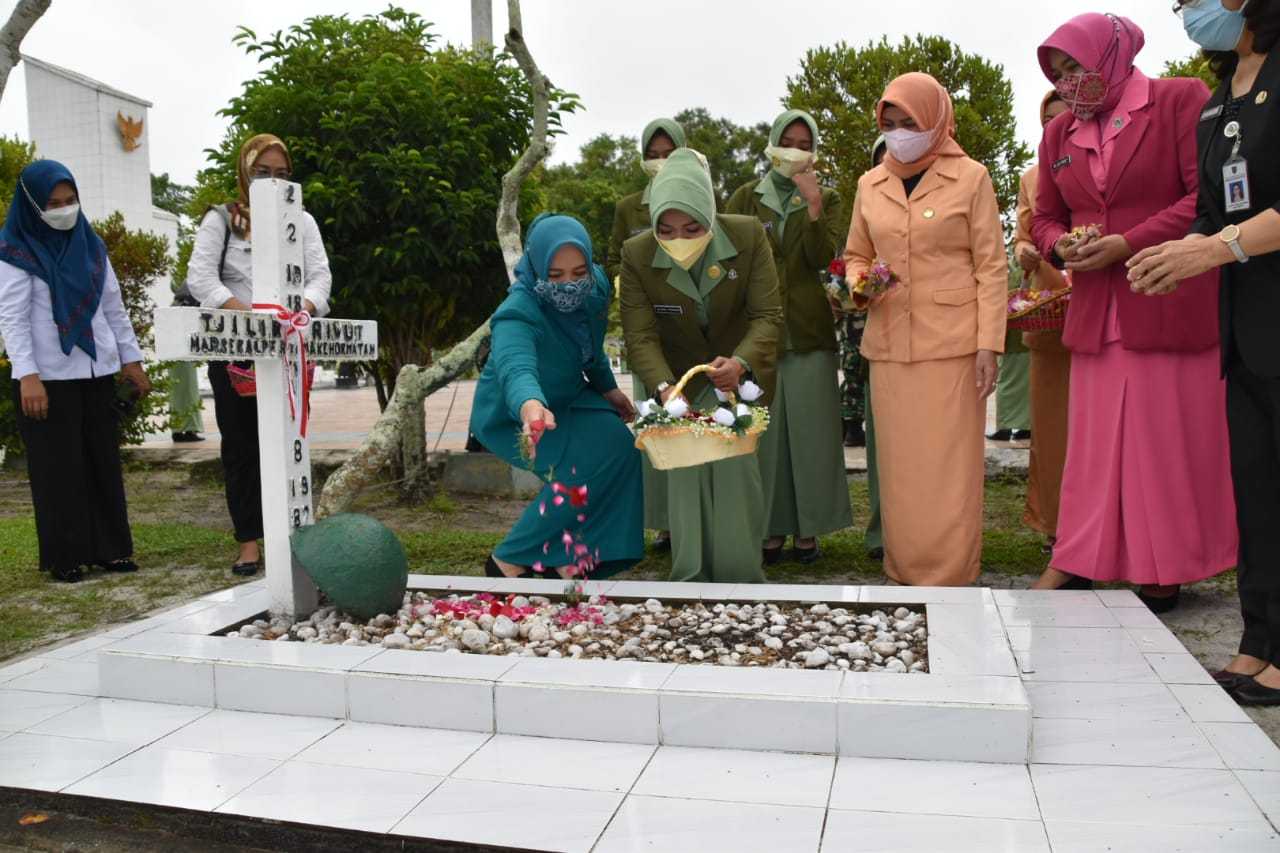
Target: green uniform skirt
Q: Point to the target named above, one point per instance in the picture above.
(802, 454)
(1013, 391)
(184, 398)
(717, 518)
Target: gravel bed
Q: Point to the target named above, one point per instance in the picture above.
(790, 636)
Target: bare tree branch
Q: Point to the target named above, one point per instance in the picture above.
(21, 20)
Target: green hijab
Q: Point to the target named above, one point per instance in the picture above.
(782, 122)
(684, 184)
(669, 126)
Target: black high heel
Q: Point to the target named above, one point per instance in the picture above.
(491, 568)
(1077, 582)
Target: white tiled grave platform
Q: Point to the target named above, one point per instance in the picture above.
(1131, 751)
(971, 706)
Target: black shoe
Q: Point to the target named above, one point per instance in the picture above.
(245, 570)
(854, 435)
(185, 437)
(662, 543)
(771, 555)
(1230, 681)
(1250, 692)
(1077, 582)
(806, 556)
(876, 553)
(1161, 604)
(1020, 435)
(1000, 435)
(120, 566)
(68, 574)
(491, 568)
(474, 445)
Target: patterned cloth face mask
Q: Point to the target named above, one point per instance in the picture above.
(1083, 92)
(564, 296)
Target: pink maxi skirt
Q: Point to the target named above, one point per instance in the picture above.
(1146, 493)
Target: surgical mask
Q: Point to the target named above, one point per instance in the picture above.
(564, 296)
(685, 251)
(1212, 26)
(908, 146)
(1083, 92)
(653, 166)
(62, 218)
(789, 162)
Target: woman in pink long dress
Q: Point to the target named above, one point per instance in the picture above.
(1146, 494)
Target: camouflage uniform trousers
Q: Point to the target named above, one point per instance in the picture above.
(853, 367)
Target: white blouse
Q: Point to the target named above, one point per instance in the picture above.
(237, 272)
(31, 337)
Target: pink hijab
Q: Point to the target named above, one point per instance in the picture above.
(1107, 44)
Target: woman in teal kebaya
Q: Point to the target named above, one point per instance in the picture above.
(548, 378)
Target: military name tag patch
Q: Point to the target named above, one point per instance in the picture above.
(669, 310)
(1212, 112)
(1061, 163)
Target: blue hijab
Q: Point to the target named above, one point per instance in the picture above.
(547, 234)
(73, 263)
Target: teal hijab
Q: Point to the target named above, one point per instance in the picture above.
(547, 234)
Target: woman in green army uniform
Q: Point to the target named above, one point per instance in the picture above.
(702, 288)
(802, 454)
(631, 217)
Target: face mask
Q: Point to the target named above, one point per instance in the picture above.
(1083, 92)
(788, 162)
(908, 146)
(62, 218)
(1211, 26)
(654, 166)
(685, 251)
(564, 296)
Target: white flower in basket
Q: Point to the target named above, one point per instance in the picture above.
(646, 408)
(674, 436)
(721, 396)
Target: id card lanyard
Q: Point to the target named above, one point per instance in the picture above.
(1235, 172)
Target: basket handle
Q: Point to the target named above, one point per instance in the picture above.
(688, 376)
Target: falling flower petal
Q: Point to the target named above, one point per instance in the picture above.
(582, 516)
(578, 496)
(542, 508)
(546, 547)
(538, 567)
(558, 500)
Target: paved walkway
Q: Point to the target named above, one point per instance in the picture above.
(341, 418)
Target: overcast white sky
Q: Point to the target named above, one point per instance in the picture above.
(630, 61)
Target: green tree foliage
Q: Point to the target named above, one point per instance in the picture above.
(1196, 65)
(840, 86)
(735, 153)
(138, 258)
(169, 195)
(607, 169)
(400, 146)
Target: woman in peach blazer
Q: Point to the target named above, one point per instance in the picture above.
(930, 212)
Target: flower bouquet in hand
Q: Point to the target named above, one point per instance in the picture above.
(838, 288)
(674, 435)
(876, 280)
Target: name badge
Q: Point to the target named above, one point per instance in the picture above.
(1061, 164)
(1212, 112)
(669, 310)
(1235, 184)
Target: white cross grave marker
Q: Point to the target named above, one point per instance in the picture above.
(266, 337)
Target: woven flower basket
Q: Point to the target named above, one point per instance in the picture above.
(685, 445)
(1048, 315)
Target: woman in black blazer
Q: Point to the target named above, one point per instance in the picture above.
(1238, 229)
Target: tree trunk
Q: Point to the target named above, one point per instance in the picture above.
(21, 20)
(389, 443)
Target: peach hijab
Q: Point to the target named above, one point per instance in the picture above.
(927, 102)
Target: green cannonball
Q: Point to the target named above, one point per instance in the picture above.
(356, 561)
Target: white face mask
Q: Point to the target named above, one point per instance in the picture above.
(789, 162)
(62, 218)
(653, 166)
(908, 146)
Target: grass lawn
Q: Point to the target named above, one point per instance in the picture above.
(183, 543)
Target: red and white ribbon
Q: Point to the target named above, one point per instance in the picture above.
(292, 323)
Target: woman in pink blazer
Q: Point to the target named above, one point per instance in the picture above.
(1146, 494)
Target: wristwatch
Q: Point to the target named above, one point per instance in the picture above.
(662, 387)
(1231, 236)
